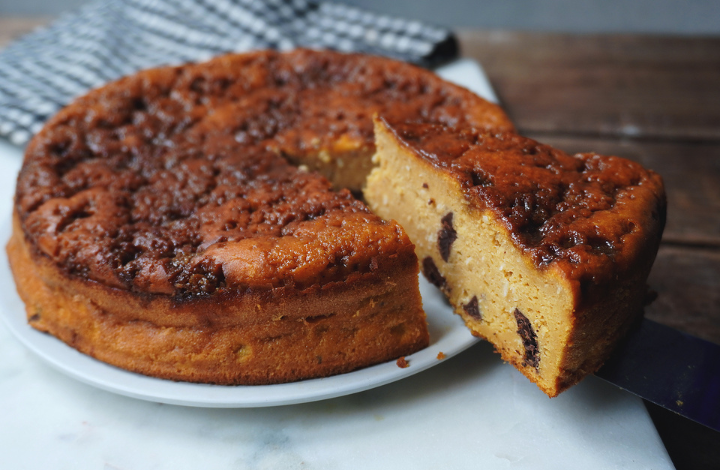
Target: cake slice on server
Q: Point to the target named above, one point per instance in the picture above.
(544, 254)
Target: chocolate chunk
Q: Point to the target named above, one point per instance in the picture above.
(446, 236)
(35, 317)
(432, 274)
(529, 339)
(473, 309)
(425, 185)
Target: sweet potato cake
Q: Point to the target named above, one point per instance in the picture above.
(177, 222)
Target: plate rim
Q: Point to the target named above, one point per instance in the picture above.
(453, 340)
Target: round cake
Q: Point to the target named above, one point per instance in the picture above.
(188, 223)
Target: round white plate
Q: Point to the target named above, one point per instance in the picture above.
(447, 335)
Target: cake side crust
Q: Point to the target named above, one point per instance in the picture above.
(342, 329)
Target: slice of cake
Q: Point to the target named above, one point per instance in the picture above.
(544, 254)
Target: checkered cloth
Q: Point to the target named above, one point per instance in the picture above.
(45, 70)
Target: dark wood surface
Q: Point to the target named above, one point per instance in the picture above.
(637, 86)
(653, 99)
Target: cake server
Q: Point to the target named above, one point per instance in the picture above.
(672, 369)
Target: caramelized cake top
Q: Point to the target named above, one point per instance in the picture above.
(586, 213)
(173, 180)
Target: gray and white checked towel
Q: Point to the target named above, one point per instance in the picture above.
(45, 70)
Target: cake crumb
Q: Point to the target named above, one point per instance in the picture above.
(402, 363)
(441, 356)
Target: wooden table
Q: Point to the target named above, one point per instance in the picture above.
(654, 99)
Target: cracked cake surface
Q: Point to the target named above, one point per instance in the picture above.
(142, 183)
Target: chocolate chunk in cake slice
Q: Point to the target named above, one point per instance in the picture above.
(542, 253)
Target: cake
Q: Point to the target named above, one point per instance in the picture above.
(197, 222)
(544, 254)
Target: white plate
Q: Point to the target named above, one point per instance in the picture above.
(447, 332)
(447, 335)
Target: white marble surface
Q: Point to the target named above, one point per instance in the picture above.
(472, 411)
(469, 412)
